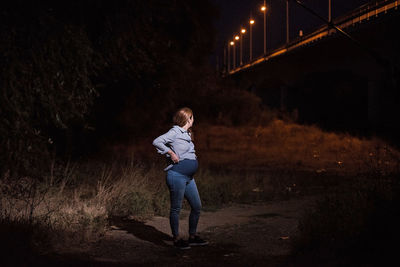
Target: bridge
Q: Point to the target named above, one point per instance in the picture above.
(362, 14)
(344, 75)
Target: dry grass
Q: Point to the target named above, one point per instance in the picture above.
(283, 144)
(73, 202)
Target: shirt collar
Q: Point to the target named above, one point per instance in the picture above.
(180, 128)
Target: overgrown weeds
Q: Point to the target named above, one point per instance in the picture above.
(281, 144)
(74, 200)
(355, 225)
(73, 204)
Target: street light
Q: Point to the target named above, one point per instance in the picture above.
(264, 10)
(237, 39)
(229, 56)
(225, 65)
(232, 43)
(228, 66)
(329, 11)
(251, 38)
(242, 31)
(287, 22)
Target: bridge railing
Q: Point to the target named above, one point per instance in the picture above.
(365, 12)
(358, 15)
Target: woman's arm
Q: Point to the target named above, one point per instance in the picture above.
(161, 142)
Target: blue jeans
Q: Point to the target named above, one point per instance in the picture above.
(180, 186)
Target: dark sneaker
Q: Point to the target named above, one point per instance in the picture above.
(197, 241)
(181, 244)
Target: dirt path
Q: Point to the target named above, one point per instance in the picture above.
(240, 235)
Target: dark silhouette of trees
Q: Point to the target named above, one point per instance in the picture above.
(75, 71)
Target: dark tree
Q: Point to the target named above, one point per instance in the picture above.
(77, 69)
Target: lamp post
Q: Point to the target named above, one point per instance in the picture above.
(237, 38)
(251, 39)
(232, 43)
(224, 67)
(229, 57)
(242, 31)
(330, 10)
(264, 10)
(287, 22)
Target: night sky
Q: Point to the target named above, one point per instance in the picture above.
(234, 13)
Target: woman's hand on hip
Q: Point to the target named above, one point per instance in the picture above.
(174, 157)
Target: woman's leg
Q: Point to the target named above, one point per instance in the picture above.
(177, 184)
(192, 195)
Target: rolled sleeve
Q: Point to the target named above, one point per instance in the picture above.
(161, 142)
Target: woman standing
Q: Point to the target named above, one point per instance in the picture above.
(177, 145)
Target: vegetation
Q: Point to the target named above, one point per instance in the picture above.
(104, 79)
(96, 74)
(357, 225)
(99, 74)
(74, 201)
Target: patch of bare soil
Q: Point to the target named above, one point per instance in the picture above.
(257, 234)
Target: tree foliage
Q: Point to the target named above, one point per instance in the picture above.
(71, 67)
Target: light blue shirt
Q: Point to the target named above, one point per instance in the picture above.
(178, 140)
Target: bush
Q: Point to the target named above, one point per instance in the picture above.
(20, 242)
(131, 203)
(356, 225)
(219, 188)
(80, 72)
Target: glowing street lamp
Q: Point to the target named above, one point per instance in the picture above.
(232, 43)
(251, 38)
(229, 55)
(237, 39)
(242, 31)
(264, 10)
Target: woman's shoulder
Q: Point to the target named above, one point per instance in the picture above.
(176, 129)
(173, 131)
